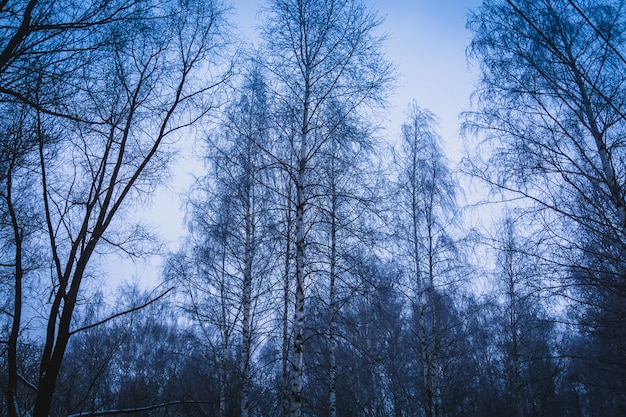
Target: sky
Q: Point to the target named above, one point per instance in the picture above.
(427, 41)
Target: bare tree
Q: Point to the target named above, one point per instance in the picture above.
(17, 219)
(138, 86)
(318, 52)
(45, 42)
(551, 107)
(425, 202)
(554, 114)
(344, 203)
(38, 45)
(229, 250)
(525, 334)
(509, 262)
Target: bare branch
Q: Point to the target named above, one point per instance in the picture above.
(122, 313)
(133, 410)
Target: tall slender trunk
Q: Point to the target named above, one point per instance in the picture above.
(12, 404)
(421, 290)
(434, 365)
(513, 323)
(285, 318)
(332, 342)
(222, 377)
(297, 364)
(246, 301)
(286, 390)
(225, 340)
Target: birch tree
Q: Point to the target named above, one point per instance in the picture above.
(318, 52)
(525, 334)
(228, 259)
(347, 204)
(343, 204)
(426, 205)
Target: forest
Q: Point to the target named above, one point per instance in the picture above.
(323, 271)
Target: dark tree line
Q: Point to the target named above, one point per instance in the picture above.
(323, 273)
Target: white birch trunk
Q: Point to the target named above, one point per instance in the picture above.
(285, 319)
(297, 365)
(246, 303)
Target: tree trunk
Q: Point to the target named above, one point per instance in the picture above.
(332, 342)
(12, 404)
(285, 319)
(246, 301)
(297, 364)
(50, 366)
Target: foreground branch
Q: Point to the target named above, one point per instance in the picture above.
(132, 410)
(122, 313)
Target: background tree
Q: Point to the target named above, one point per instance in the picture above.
(39, 49)
(526, 337)
(294, 211)
(551, 109)
(102, 373)
(344, 205)
(16, 227)
(374, 373)
(227, 262)
(425, 201)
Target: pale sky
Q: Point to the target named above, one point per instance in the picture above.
(427, 43)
